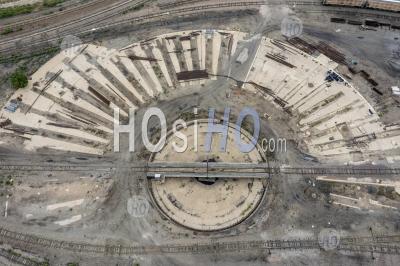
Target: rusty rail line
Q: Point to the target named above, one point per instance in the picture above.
(189, 2)
(73, 9)
(139, 19)
(17, 259)
(99, 16)
(182, 11)
(352, 244)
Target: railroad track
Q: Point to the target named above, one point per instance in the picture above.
(379, 239)
(189, 2)
(149, 17)
(155, 167)
(77, 8)
(55, 168)
(158, 15)
(382, 249)
(353, 12)
(17, 258)
(177, 3)
(99, 16)
(339, 171)
(183, 10)
(190, 169)
(367, 244)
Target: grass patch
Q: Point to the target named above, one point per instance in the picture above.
(133, 9)
(19, 79)
(51, 3)
(26, 9)
(16, 10)
(15, 58)
(8, 30)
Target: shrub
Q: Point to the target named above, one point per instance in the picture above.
(19, 79)
(51, 3)
(15, 10)
(7, 31)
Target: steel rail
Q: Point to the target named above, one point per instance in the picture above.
(54, 15)
(382, 249)
(180, 167)
(354, 12)
(18, 258)
(24, 240)
(269, 3)
(225, 175)
(103, 15)
(348, 10)
(143, 18)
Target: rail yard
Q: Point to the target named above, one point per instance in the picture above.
(189, 132)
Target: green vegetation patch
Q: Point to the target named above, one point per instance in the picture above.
(26, 9)
(8, 30)
(134, 8)
(16, 10)
(52, 3)
(19, 78)
(15, 58)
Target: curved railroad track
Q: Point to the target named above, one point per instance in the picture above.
(170, 5)
(8, 46)
(97, 17)
(71, 10)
